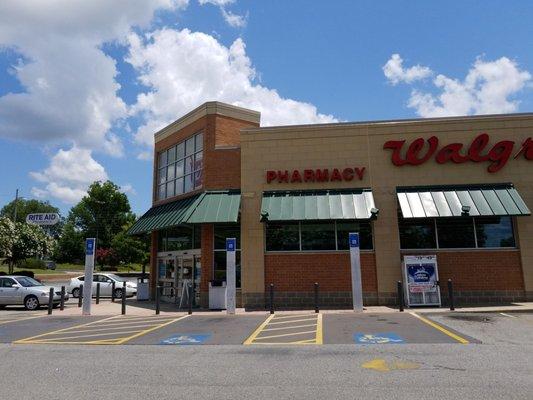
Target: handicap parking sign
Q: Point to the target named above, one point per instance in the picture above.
(353, 238)
(377, 338)
(186, 339)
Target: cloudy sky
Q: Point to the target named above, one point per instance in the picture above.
(85, 84)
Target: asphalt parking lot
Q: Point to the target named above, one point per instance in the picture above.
(253, 329)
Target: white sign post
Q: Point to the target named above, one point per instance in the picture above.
(90, 249)
(355, 262)
(231, 278)
(42, 218)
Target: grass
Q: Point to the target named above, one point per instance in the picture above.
(61, 268)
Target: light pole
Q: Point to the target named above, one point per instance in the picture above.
(16, 203)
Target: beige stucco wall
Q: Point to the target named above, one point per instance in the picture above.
(354, 145)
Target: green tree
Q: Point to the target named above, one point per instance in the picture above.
(131, 249)
(31, 206)
(70, 246)
(102, 213)
(19, 241)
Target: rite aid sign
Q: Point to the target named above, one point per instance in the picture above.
(42, 219)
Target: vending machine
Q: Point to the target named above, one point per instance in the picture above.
(421, 277)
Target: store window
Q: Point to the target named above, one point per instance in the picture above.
(221, 233)
(316, 235)
(179, 168)
(495, 232)
(417, 233)
(457, 233)
(181, 237)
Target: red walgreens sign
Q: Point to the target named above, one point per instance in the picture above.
(315, 175)
(478, 151)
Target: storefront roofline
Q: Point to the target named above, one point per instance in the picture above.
(385, 123)
(208, 108)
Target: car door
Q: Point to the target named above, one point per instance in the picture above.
(8, 293)
(105, 285)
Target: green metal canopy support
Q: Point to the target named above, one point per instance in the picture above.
(318, 205)
(457, 201)
(207, 207)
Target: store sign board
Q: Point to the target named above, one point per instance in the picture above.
(347, 174)
(42, 218)
(479, 150)
(421, 277)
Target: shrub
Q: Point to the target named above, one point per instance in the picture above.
(30, 274)
(32, 263)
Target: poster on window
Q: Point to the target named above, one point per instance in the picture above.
(421, 277)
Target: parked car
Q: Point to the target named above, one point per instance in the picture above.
(23, 290)
(106, 285)
(49, 264)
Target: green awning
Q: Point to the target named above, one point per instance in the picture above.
(208, 207)
(457, 201)
(217, 207)
(318, 205)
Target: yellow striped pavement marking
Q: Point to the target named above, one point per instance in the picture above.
(440, 328)
(272, 320)
(254, 334)
(292, 321)
(289, 327)
(285, 334)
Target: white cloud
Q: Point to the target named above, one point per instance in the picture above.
(233, 20)
(488, 88)
(396, 73)
(183, 69)
(145, 156)
(69, 174)
(128, 188)
(70, 91)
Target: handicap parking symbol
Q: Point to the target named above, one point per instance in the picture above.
(377, 338)
(188, 339)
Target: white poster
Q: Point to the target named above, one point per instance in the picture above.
(421, 280)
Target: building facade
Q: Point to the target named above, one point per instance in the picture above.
(457, 188)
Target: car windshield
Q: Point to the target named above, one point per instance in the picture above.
(28, 282)
(116, 278)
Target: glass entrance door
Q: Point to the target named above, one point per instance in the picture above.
(174, 275)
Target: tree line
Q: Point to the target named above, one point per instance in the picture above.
(104, 213)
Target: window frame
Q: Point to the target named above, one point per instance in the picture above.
(300, 250)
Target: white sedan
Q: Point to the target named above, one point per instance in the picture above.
(106, 285)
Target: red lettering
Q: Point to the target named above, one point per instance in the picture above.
(336, 175)
(347, 174)
(477, 146)
(416, 147)
(322, 175)
(526, 149)
(283, 177)
(499, 155)
(451, 152)
(309, 175)
(359, 172)
(396, 147)
(271, 175)
(296, 177)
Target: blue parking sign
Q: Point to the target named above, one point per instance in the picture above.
(186, 339)
(89, 246)
(230, 244)
(353, 239)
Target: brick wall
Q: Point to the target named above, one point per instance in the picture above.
(298, 272)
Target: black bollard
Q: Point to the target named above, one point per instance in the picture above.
(80, 298)
(124, 298)
(62, 302)
(316, 297)
(400, 296)
(113, 292)
(158, 290)
(450, 294)
(98, 293)
(51, 301)
(189, 296)
(271, 298)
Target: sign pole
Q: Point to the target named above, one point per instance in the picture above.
(90, 246)
(355, 263)
(231, 279)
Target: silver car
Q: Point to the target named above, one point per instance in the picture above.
(23, 290)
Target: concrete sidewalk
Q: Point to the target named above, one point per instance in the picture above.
(134, 307)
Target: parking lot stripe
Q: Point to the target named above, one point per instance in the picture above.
(252, 337)
(319, 335)
(8, 321)
(285, 334)
(440, 328)
(292, 321)
(122, 341)
(289, 327)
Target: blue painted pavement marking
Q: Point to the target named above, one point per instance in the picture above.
(377, 338)
(186, 339)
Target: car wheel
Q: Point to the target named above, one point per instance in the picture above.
(2, 306)
(55, 305)
(118, 293)
(76, 292)
(31, 303)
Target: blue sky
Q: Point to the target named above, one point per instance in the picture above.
(84, 85)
